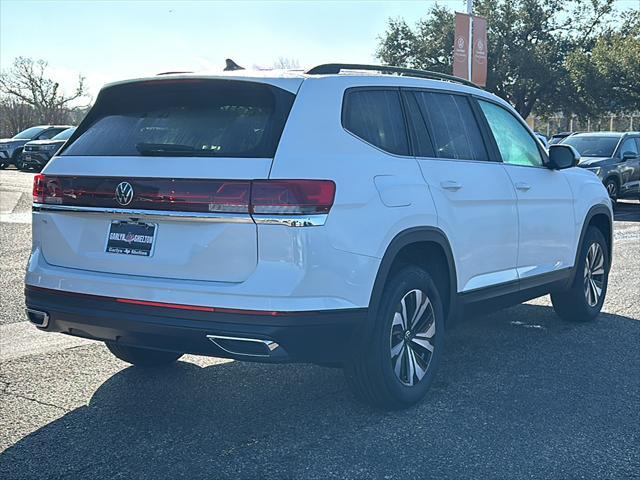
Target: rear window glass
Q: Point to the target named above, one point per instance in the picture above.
(212, 118)
(452, 125)
(376, 117)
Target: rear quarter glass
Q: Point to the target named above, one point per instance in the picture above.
(188, 117)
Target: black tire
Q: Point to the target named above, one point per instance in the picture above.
(142, 357)
(371, 375)
(20, 165)
(613, 189)
(577, 303)
(16, 159)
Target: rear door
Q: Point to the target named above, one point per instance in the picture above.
(546, 223)
(156, 180)
(473, 195)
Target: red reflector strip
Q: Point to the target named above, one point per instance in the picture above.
(166, 305)
(197, 308)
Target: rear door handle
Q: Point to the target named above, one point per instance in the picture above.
(451, 185)
(523, 186)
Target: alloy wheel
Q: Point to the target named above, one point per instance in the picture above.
(412, 337)
(594, 274)
(612, 189)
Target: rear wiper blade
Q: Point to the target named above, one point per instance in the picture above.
(164, 148)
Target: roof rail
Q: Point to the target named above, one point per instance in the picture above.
(335, 68)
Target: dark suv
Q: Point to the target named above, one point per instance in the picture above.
(37, 153)
(11, 148)
(614, 157)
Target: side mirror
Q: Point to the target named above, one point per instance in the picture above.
(628, 155)
(562, 156)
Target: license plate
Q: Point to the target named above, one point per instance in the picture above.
(131, 238)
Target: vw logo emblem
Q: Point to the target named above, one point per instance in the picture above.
(124, 193)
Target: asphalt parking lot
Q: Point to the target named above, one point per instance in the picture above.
(520, 395)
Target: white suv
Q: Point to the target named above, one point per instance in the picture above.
(340, 216)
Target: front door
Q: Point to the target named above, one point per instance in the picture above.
(546, 224)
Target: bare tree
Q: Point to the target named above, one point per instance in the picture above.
(27, 82)
(284, 63)
(15, 116)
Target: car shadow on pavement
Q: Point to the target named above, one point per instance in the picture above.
(627, 211)
(520, 393)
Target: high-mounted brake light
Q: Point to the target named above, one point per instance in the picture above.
(276, 197)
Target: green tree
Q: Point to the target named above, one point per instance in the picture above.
(607, 77)
(529, 42)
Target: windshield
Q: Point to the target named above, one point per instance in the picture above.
(65, 134)
(595, 146)
(204, 118)
(29, 133)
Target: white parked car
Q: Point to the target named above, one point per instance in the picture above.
(340, 216)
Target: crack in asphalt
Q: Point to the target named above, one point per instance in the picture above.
(40, 402)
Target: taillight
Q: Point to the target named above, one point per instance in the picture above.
(47, 190)
(276, 197)
(293, 197)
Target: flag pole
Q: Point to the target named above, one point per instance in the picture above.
(470, 43)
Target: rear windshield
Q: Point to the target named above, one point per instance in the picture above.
(210, 118)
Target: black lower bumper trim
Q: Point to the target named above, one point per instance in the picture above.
(320, 337)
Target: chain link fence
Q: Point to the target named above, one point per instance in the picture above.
(564, 123)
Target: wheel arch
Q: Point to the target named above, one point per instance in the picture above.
(435, 250)
(598, 216)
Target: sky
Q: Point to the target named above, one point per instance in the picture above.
(113, 40)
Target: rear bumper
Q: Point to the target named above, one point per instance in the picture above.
(274, 337)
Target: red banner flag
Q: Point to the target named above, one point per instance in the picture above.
(479, 57)
(461, 47)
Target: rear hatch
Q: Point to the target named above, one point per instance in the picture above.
(156, 181)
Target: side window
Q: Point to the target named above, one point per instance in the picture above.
(638, 143)
(376, 117)
(629, 145)
(452, 125)
(47, 134)
(418, 127)
(515, 143)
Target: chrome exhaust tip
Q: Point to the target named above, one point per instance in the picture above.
(248, 347)
(39, 318)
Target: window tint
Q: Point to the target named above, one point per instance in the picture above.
(516, 145)
(205, 118)
(29, 133)
(52, 132)
(376, 117)
(453, 128)
(418, 128)
(629, 145)
(65, 134)
(592, 145)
